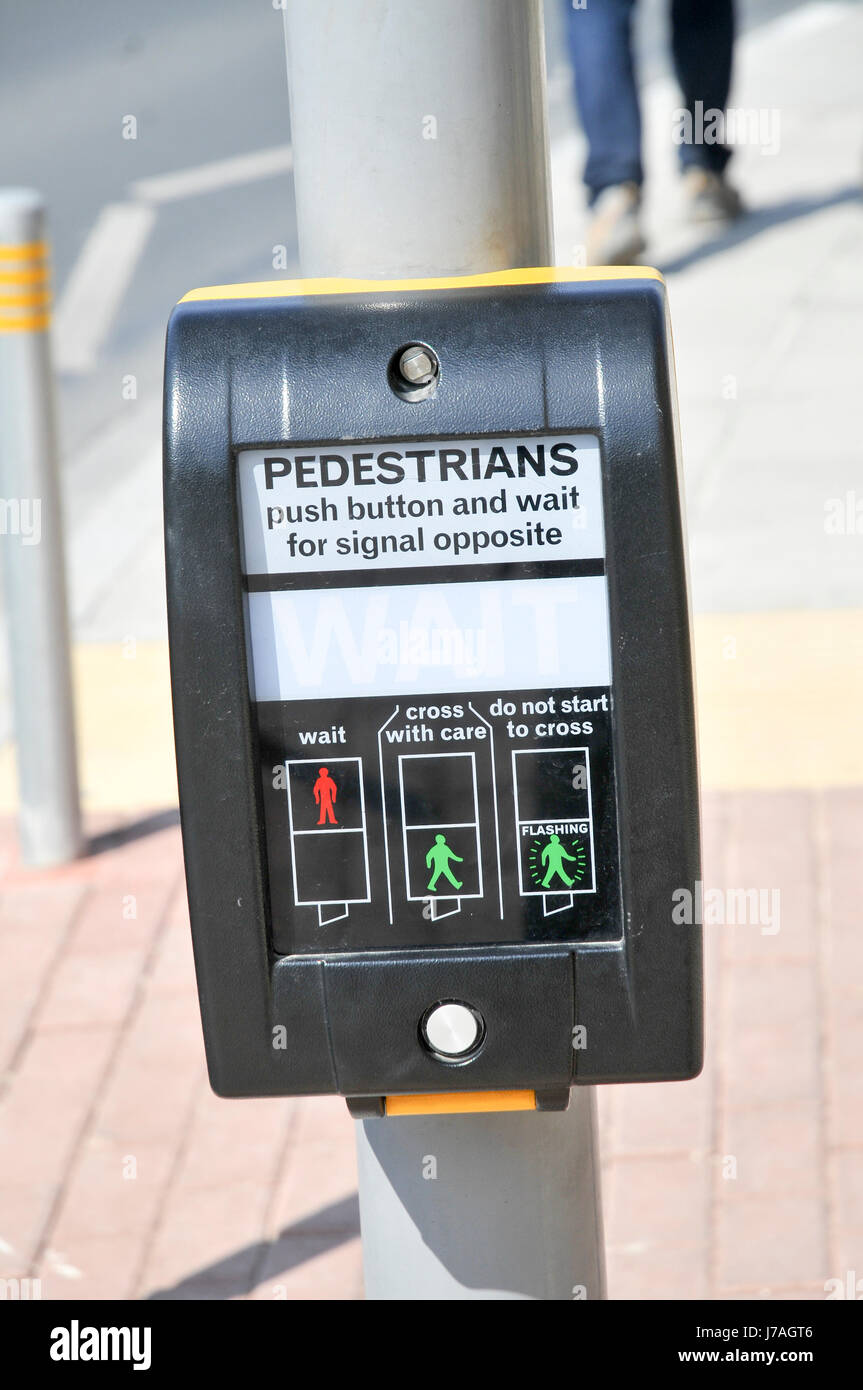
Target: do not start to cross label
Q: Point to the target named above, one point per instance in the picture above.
(430, 668)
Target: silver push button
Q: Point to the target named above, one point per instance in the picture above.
(451, 1030)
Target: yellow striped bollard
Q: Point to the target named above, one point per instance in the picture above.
(31, 540)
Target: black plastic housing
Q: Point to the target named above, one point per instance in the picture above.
(583, 355)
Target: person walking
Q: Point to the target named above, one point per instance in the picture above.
(599, 34)
(553, 858)
(439, 857)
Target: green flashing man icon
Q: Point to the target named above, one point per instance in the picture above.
(439, 857)
(553, 857)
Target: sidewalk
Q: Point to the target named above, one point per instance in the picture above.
(124, 1177)
(121, 1175)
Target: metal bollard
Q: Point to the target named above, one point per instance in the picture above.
(31, 537)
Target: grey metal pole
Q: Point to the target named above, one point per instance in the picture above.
(482, 1206)
(420, 148)
(31, 536)
(419, 132)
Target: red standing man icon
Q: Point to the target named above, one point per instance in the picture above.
(325, 794)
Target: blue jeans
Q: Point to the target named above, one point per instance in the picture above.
(600, 45)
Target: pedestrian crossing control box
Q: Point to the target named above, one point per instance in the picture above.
(432, 687)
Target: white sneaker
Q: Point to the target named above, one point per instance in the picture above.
(615, 236)
(709, 197)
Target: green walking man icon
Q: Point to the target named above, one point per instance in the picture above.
(553, 856)
(439, 857)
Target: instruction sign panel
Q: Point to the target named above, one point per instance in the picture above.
(431, 676)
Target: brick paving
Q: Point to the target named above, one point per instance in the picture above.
(748, 1182)
(124, 1177)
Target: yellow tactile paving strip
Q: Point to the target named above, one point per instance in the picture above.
(780, 699)
(125, 733)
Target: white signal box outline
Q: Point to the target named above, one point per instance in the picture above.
(548, 893)
(332, 830)
(439, 825)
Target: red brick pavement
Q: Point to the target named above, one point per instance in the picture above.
(122, 1176)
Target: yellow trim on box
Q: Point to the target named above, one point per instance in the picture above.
(460, 1102)
(536, 275)
(24, 251)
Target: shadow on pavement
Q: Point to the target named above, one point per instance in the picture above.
(135, 830)
(238, 1274)
(760, 220)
